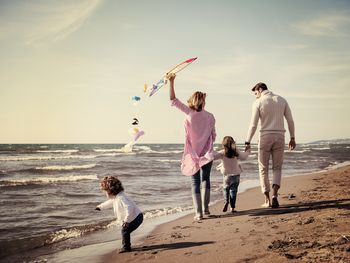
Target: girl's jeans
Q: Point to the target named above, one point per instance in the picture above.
(231, 183)
(133, 225)
(201, 178)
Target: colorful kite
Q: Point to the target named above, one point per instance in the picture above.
(135, 132)
(163, 81)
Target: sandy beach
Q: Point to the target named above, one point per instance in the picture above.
(311, 225)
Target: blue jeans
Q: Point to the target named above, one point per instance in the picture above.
(201, 178)
(133, 225)
(230, 189)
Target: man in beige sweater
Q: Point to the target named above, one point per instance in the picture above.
(271, 110)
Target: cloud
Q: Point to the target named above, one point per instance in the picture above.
(326, 26)
(292, 47)
(38, 23)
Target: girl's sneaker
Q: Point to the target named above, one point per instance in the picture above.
(198, 217)
(225, 207)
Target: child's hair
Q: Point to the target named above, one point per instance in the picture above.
(229, 147)
(111, 185)
(196, 101)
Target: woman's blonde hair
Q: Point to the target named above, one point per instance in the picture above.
(197, 100)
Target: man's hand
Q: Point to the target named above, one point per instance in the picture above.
(292, 144)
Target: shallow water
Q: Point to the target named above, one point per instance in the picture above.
(49, 192)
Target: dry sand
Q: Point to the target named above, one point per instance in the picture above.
(313, 226)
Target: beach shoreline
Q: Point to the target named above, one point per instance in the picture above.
(176, 237)
(310, 226)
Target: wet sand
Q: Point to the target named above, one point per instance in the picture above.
(311, 225)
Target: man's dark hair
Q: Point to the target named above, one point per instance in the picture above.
(260, 85)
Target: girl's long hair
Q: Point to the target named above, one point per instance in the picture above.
(229, 147)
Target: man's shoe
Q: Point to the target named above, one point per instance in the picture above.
(225, 207)
(275, 203)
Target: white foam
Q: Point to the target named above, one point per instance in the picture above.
(108, 150)
(144, 148)
(166, 211)
(66, 167)
(47, 180)
(57, 151)
(337, 165)
(110, 154)
(297, 151)
(321, 148)
(46, 157)
(169, 161)
(64, 234)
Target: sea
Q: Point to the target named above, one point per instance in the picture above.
(49, 191)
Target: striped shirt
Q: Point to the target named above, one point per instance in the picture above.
(270, 109)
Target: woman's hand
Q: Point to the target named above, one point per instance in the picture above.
(171, 77)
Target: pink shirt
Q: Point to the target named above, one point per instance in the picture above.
(200, 135)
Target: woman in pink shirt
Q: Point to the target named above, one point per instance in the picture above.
(198, 153)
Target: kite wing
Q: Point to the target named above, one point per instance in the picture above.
(181, 66)
(174, 70)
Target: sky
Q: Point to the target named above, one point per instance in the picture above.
(68, 69)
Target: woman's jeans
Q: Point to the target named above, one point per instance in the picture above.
(133, 225)
(201, 178)
(230, 189)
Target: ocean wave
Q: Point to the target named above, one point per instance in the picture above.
(66, 167)
(297, 151)
(15, 246)
(166, 211)
(48, 157)
(337, 165)
(108, 150)
(160, 152)
(57, 151)
(47, 180)
(142, 147)
(321, 148)
(168, 161)
(110, 154)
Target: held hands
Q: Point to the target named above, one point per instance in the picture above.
(247, 146)
(125, 224)
(292, 144)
